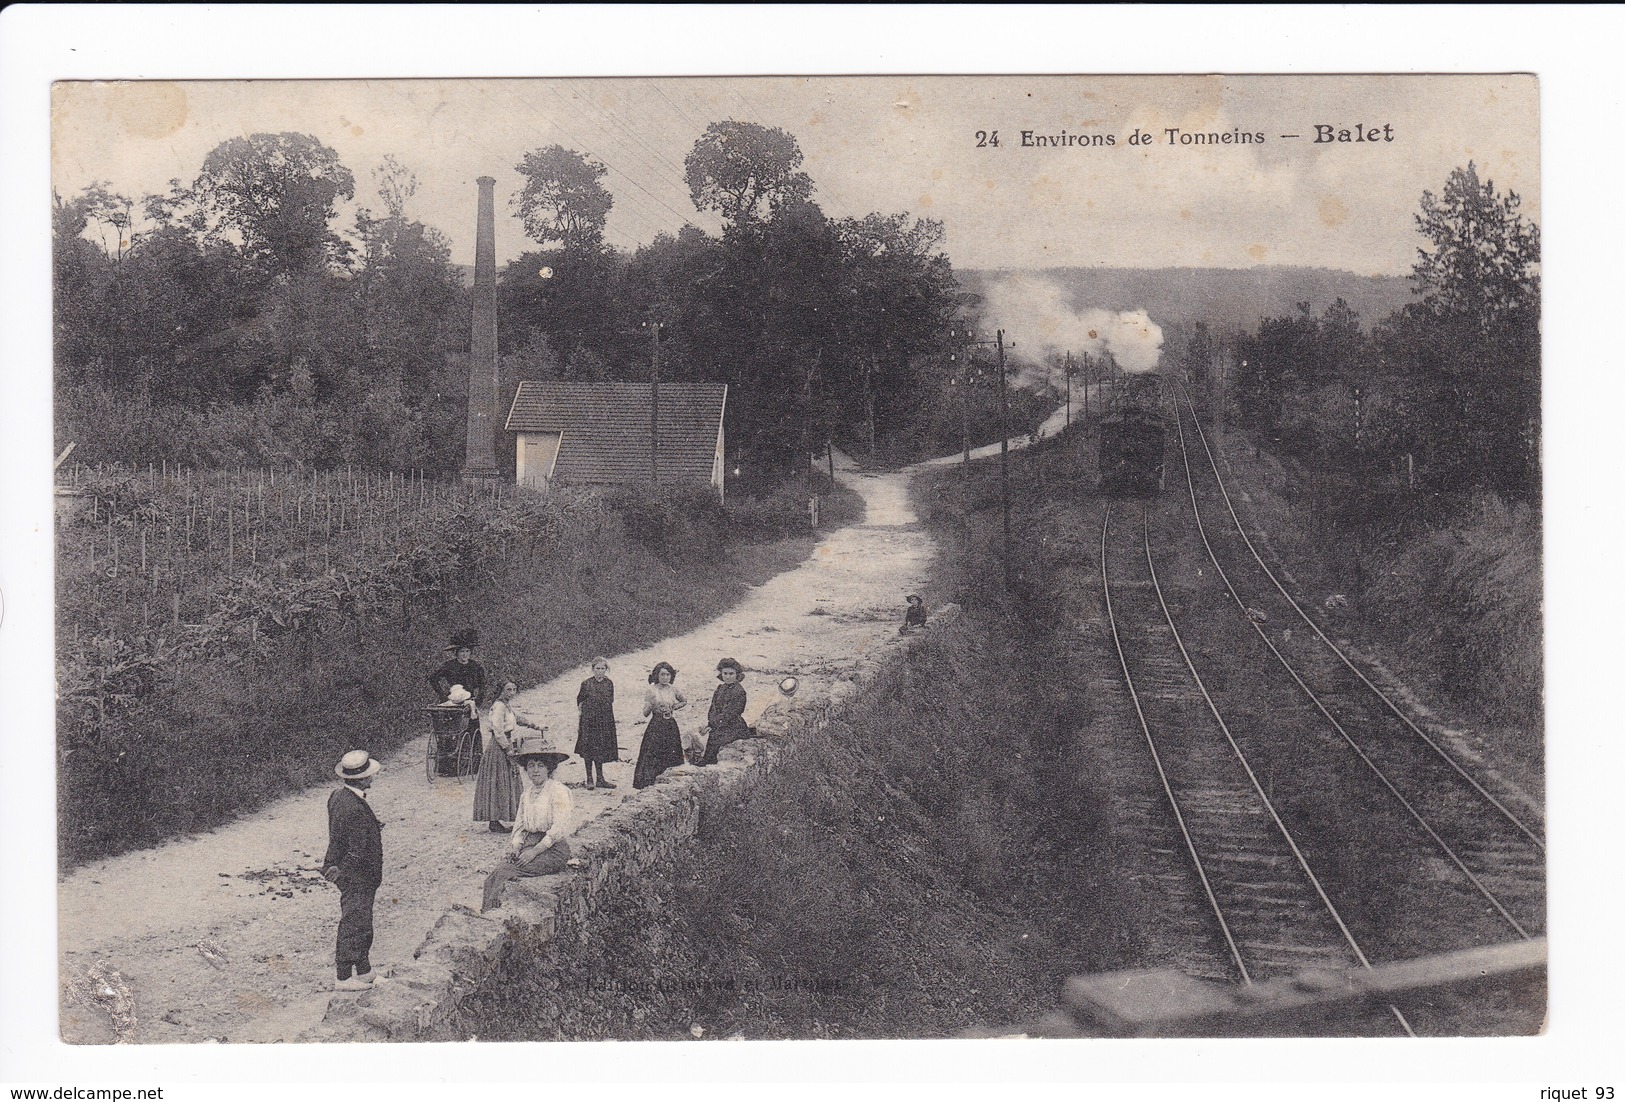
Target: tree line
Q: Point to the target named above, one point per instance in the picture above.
(234, 319)
(1442, 396)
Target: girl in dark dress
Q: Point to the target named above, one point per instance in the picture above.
(595, 733)
(662, 743)
(914, 617)
(725, 723)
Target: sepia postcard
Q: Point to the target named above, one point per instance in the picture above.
(797, 558)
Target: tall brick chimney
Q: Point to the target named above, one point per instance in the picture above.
(480, 454)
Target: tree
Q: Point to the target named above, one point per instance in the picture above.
(745, 172)
(1198, 359)
(1470, 344)
(277, 193)
(563, 199)
(1484, 257)
(396, 184)
(411, 302)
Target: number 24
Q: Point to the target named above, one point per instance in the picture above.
(986, 138)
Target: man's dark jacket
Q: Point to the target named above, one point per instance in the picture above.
(355, 844)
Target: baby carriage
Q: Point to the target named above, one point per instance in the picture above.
(455, 742)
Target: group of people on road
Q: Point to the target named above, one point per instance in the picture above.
(517, 791)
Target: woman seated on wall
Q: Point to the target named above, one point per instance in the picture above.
(538, 840)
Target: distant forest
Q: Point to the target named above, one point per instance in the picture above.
(1232, 299)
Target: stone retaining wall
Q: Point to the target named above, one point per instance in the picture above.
(650, 830)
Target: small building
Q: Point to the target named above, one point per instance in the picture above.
(597, 434)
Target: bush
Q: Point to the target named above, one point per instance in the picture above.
(1467, 595)
(684, 522)
(776, 515)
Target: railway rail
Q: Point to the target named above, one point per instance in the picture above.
(1479, 841)
(1439, 859)
(1270, 909)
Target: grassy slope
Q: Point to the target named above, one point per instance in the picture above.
(1451, 603)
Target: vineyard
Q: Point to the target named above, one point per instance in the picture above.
(253, 624)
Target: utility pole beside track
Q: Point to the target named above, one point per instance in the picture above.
(1004, 455)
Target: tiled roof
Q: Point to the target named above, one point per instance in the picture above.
(606, 428)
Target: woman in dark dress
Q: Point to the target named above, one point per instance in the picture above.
(662, 742)
(461, 670)
(595, 732)
(725, 723)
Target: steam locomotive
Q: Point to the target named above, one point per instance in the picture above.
(1133, 440)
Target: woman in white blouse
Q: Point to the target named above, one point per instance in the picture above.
(539, 829)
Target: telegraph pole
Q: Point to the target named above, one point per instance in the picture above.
(963, 376)
(654, 402)
(1004, 455)
(1069, 389)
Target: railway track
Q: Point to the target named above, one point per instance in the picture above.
(1268, 908)
(1475, 865)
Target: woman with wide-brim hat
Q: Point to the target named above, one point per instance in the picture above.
(545, 816)
(460, 669)
(725, 722)
(662, 742)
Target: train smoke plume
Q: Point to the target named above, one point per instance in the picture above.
(1037, 316)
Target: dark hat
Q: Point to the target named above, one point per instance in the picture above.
(468, 637)
(654, 674)
(553, 758)
(915, 597)
(730, 664)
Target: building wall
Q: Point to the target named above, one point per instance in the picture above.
(719, 472)
(535, 453)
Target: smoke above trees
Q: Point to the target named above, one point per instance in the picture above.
(1039, 316)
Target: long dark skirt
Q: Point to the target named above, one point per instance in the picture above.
(549, 861)
(595, 735)
(496, 792)
(662, 748)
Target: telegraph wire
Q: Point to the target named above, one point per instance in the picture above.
(628, 202)
(850, 211)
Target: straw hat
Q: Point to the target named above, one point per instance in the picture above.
(356, 765)
(458, 695)
(531, 749)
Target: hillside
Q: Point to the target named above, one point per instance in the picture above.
(1228, 298)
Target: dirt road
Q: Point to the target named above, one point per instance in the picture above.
(228, 935)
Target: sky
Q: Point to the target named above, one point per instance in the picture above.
(889, 144)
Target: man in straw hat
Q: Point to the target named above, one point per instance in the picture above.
(355, 862)
(538, 845)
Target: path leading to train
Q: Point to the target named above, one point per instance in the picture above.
(227, 936)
